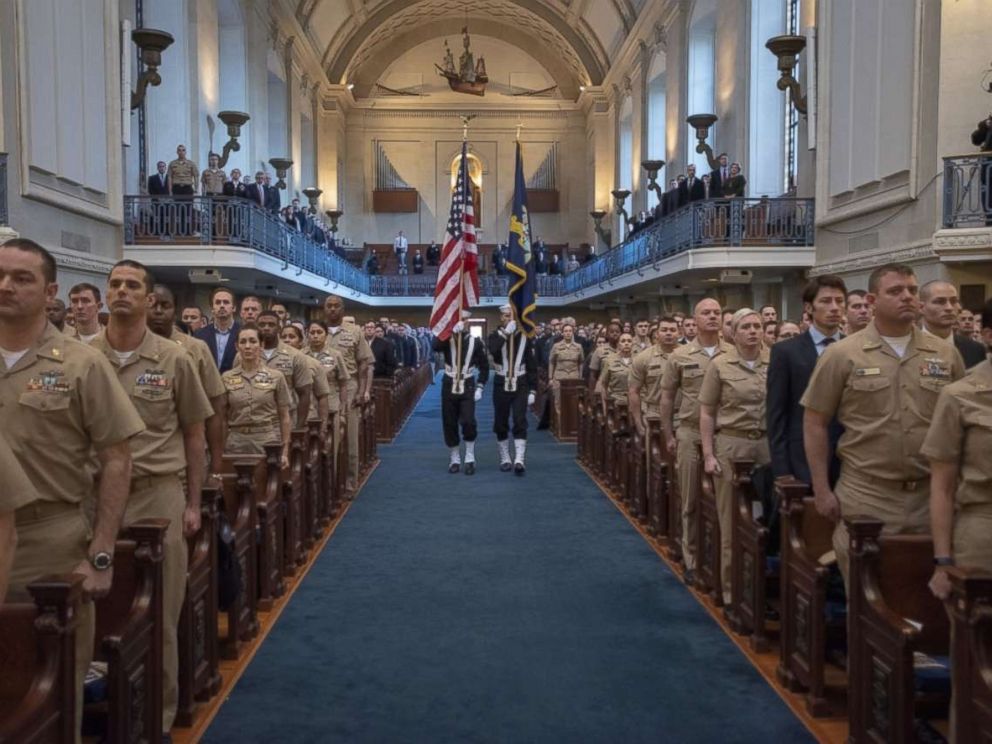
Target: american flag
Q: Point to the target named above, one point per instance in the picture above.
(458, 277)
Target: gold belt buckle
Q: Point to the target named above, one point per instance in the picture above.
(910, 485)
(754, 434)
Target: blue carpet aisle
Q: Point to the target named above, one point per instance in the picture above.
(494, 608)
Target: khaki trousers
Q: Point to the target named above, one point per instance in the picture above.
(351, 389)
(162, 497)
(903, 512)
(728, 449)
(250, 443)
(972, 527)
(52, 544)
(687, 468)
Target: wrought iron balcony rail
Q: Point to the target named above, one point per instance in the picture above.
(968, 191)
(215, 221)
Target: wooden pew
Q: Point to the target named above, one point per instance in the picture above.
(582, 443)
(313, 473)
(294, 555)
(385, 410)
(656, 494)
(748, 585)
(708, 539)
(615, 457)
(971, 654)
(199, 672)
(806, 536)
(332, 472)
(367, 437)
(129, 636)
(241, 511)
(635, 486)
(565, 425)
(271, 525)
(38, 650)
(893, 615)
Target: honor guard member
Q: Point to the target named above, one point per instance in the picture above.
(646, 371)
(60, 402)
(958, 446)
(258, 399)
(319, 398)
(732, 422)
(161, 320)
(292, 364)
(612, 384)
(165, 388)
(564, 362)
(461, 389)
(358, 360)
(882, 385)
(16, 490)
(684, 374)
(513, 388)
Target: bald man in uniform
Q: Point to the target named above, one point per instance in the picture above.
(881, 384)
(162, 381)
(358, 360)
(62, 404)
(683, 374)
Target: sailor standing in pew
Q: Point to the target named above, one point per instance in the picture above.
(461, 389)
(513, 389)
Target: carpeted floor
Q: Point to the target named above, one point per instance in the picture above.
(494, 608)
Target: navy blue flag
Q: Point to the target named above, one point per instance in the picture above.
(519, 257)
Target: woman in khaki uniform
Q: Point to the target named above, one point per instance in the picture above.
(292, 336)
(959, 447)
(332, 362)
(564, 362)
(257, 401)
(732, 421)
(612, 383)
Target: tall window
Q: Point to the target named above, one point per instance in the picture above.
(657, 149)
(702, 76)
(625, 154)
(767, 129)
(791, 114)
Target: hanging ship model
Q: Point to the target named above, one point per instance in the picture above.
(470, 76)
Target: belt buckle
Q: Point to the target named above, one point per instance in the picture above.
(910, 485)
(753, 434)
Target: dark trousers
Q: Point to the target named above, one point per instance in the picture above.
(503, 403)
(458, 410)
(184, 209)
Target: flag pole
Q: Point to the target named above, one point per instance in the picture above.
(460, 382)
(510, 381)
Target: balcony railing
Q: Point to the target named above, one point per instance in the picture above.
(968, 191)
(785, 222)
(3, 188)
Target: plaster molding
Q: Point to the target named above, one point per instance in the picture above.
(964, 244)
(914, 253)
(81, 261)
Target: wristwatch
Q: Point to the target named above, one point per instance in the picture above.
(945, 560)
(101, 561)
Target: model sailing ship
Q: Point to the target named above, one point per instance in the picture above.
(470, 76)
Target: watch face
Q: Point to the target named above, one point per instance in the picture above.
(101, 561)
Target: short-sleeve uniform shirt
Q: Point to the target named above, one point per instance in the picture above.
(164, 386)
(647, 371)
(614, 376)
(321, 386)
(566, 358)
(353, 347)
(331, 362)
(58, 403)
(961, 432)
(254, 398)
(16, 490)
(183, 172)
(736, 391)
(684, 372)
(596, 360)
(884, 403)
(204, 362)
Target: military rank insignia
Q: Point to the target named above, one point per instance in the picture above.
(934, 367)
(49, 381)
(156, 378)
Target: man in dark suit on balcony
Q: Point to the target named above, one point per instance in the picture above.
(158, 185)
(257, 192)
(691, 189)
(719, 176)
(273, 201)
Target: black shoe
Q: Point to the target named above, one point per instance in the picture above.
(505, 467)
(519, 469)
(470, 468)
(454, 467)
(689, 577)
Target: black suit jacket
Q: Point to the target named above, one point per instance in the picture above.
(239, 189)
(791, 366)
(385, 357)
(272, 199)
(717, 183)
(209, 335)
(696, 193)
(971, 351)
(252, 192)
(158, 186)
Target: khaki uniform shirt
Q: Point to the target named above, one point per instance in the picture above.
(321, 385)
(294, 367)
(165, 388)
(332, 362)
(884, 403)
(640, 346)
(613, 379)
(353, 347)
(647, 370)
(213, 180)
(183, 172)
(683, 374)
(566, 359)
(596, 362)
(736, 391)
(961, 432)
(213, 385)
(16, 490)
(254, 399)
(57, 404)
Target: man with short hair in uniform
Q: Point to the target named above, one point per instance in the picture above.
(642, 335)
(597, 358)
(358, 361)
(62, 405)
(291, 362)
(56, 312)
(192, 318)
(163, 383)
(882, 385)
(646, 371)
(564, 361)
(249, 309)
(461, 389)
(84, 301)
(183, 177)
(683, 374)
(858, 311)
(513, 388)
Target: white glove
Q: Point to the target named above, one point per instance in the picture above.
(511, 327)
(531, 398)
(459, 327)
(478, 394)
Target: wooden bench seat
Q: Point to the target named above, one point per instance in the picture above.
(971, 654)
(749, 540)
(707, 538)
(241, 511)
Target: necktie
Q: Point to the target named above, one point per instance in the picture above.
(827, 341)
(261, 195)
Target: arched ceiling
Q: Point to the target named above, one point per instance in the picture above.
(358, 38)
